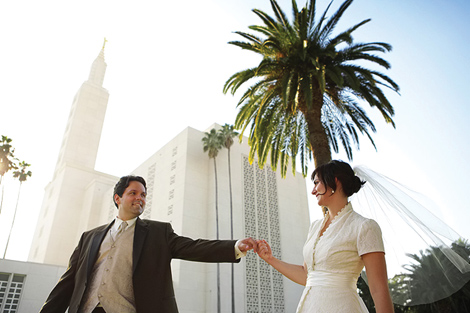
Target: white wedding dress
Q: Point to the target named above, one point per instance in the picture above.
(334, 262)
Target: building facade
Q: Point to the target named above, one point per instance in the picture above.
(25, 285)
(181, 190)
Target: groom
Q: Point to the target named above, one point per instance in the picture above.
(124, 267)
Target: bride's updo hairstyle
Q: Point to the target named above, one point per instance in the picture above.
(343, 172)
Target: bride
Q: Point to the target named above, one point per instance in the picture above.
(338, 247)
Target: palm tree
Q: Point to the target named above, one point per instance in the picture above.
(22, 176)
(6, 156)
(306, 91)
(6, 162)
(212, 143)
(227, 132)
(425, 281)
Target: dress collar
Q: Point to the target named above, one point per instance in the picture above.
(347, 208)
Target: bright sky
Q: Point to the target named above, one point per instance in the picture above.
(167, 64)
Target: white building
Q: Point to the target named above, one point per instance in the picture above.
(25, 285)
(75, 186)
(181, 189)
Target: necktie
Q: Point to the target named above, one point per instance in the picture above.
(120, 230)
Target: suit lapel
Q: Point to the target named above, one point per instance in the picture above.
(140, 232)
(95, 247)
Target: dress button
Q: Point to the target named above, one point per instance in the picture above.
(99, 295)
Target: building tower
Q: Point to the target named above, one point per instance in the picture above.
(64, 213)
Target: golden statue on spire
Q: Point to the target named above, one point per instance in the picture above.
(104, 43)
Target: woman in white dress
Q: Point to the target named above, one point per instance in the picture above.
(337, 249)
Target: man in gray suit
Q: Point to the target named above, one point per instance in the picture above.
(124, 267)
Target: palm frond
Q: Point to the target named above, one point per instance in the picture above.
(331, 24)
(237, 79)
(304, 96)
(281, 17)
(250, 37)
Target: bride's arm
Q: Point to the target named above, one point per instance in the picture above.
(376, 271)
(296, 273)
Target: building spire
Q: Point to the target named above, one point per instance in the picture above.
(104, 43)
(98, 68)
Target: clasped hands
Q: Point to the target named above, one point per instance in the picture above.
(261, 247)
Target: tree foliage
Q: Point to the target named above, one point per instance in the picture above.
(422, 281)
(305, 92)
(21, 172)
(7, 158)
(212, 143)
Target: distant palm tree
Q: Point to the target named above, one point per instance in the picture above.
(6, 162)
(212, 143)
(228, 133)
(421, 283)
(305, 95)
(22, 176)
(6, 156)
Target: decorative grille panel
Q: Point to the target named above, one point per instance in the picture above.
(264, 285)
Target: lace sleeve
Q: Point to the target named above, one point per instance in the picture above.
(369, 238)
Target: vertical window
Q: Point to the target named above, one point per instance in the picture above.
(150, 186)
(11, 286)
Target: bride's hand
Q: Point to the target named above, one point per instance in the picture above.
(264, 250)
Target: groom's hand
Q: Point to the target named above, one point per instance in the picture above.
(247, 244)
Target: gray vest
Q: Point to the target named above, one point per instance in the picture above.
(111, 279)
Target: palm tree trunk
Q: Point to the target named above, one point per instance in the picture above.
(1, 198)
(316, 132)
(231, 229)
(13, 222)
(319, 143)
(217, 235)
